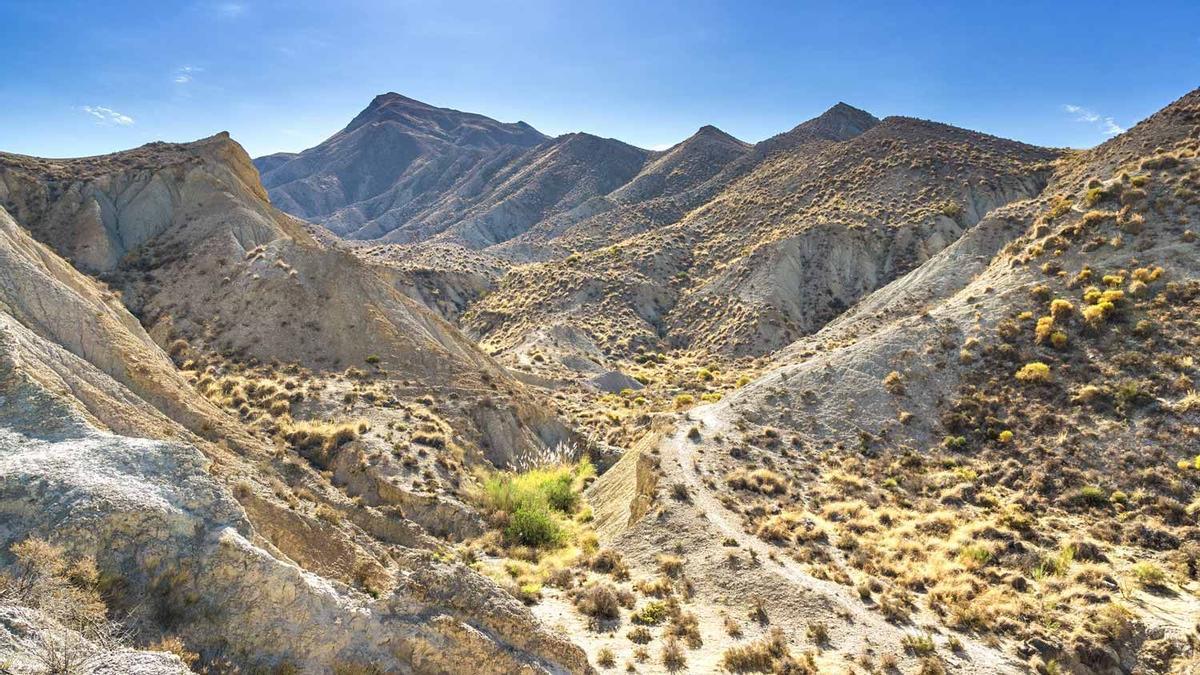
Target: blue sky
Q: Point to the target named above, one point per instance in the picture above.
(81, 78)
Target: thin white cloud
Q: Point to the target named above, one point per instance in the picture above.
(661, 146)
(184, 74)
(229, 10)
(107, 116)
(1081, 114)
(1106, 124)
(1111, 128)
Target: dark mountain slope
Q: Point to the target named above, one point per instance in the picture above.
(393, 156)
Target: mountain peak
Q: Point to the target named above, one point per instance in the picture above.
(711, 134)
(429, 120)
(393, 99)
(386, 105)
(842, 121)
(839, 123)
(842, 107)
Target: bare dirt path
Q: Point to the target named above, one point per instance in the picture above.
(679, 462)
(682, 452)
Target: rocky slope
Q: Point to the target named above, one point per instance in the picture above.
(494, 185)
(668, 185)
(204, 528)
(802, 235)
(185, 233)
(562, 175)
(189, 561)
(1002, 439)
(682, 179)
(870, 395)
(673, 183)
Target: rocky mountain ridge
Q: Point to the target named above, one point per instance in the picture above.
(512, 199)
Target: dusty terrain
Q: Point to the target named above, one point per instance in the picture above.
(448, 395)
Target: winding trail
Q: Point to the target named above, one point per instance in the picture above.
(679, 461)
(683, 452)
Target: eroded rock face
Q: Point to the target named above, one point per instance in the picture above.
(95, 211)
(794, 285)
(185, 232)
(29, 639)
(89, 463)
(153, 517)
(181, 545)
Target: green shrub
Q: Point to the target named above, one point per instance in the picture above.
(1061, 309)
(918, 644)
(651, 614)
(556, 487)
(1148, 574)
(1054, 565)
(950, 209)
(561, 494)
(1058, 206)
(954, 442)
(974, 556)
(1034, 372)
(532, 525)
(1092, 495)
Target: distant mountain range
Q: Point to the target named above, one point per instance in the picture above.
(752, 245)
(405, 171)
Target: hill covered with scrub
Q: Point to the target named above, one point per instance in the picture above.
(445, 394)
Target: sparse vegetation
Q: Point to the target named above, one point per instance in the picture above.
(761, 656)
(532, 502)
(319, 440)
(995, 452)
(602, 601)
(920, 644)
(1034, 372)
(44, 578)
(763, 481)
(1148, 574)
(651, 614)
(673, 657)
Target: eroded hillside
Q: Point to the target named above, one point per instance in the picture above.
(253, 507)
(998, 445)
(868, 396)
(777, 254)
